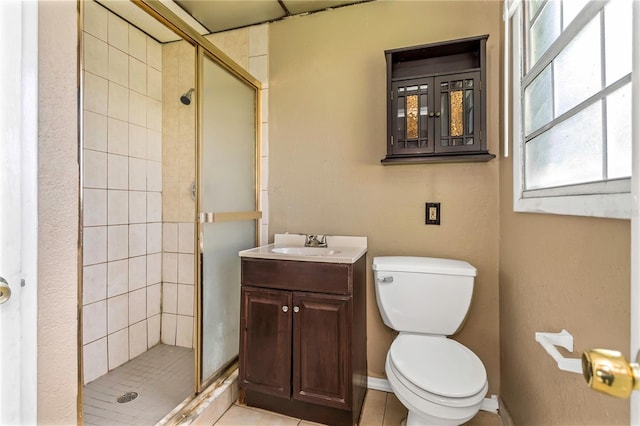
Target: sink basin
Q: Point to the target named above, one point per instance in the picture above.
(305, 251)
(341, 249)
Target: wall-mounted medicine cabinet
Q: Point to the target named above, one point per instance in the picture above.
(436, 105)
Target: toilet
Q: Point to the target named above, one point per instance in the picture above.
(440, 381)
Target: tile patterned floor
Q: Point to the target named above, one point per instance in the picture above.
(380, 409)
(163, 377)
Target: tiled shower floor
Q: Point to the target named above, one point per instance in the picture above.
(163, 377)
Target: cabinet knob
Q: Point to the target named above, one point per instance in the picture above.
(438, 114)
(296, 309)
(285, 308)
(431, 114)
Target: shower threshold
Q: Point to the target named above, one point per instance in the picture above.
(161, 379)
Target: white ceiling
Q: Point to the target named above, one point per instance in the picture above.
(212, 16)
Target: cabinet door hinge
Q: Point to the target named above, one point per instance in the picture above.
(391, 140)
(481, 85)
(392, 95)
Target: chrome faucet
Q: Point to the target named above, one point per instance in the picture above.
(313, 241)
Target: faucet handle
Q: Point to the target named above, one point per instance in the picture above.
(313, 241)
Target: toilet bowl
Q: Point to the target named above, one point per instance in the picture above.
(439, 380)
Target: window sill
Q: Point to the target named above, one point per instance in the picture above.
(437, 158)
(614, 206)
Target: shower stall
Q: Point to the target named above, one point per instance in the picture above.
(170, 194)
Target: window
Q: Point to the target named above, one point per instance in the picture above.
(572, 91)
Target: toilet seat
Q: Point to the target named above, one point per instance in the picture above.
(438, 369)
(427, 411)
(403, 387)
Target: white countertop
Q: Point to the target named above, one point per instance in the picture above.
(345, 249)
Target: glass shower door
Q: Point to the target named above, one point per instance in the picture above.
(227, 208)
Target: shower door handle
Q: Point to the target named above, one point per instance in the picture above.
(5, 291)
(213, 217)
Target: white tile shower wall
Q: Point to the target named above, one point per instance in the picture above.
(259, 67)
(122, 214)
(178, 172)
(178, 284)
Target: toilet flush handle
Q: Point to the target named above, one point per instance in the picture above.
(385, 280)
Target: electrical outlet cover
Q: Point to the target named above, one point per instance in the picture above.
(432, 214)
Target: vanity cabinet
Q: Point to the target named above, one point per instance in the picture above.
(303, 338)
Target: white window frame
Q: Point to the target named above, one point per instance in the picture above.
(610, 199)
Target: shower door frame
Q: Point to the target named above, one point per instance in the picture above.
(205, 47)
(216, 217)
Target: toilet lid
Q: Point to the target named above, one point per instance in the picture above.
(438, 365)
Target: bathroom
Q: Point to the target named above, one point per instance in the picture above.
(525, 261)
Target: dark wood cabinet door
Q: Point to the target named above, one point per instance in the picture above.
(412, 117)
(322, 349)
(265, 341)
(458, 126)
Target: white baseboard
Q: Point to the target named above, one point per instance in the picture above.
(378, 384)
(490, 404)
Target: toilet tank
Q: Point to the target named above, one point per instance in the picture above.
(423, 294)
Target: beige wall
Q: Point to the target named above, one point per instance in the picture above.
(57, 212)
(559, 272)
(327, 136)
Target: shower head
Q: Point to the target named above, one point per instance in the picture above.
(186, 98)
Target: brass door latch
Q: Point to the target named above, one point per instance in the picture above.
(604, 370)
(609, 372)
